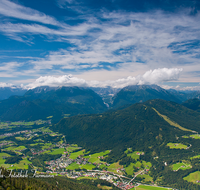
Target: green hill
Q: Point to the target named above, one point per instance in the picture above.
(138, 126)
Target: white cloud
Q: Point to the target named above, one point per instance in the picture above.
(179, 88)
(143, 43)
(145, 40)
(10, 9)
(65, 80)
(150, 77)
(161, 75)
(2, 85)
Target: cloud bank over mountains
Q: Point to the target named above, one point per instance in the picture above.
(155, 76)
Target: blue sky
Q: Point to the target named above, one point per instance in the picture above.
(99, 43)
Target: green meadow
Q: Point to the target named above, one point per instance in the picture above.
(74, 155)
(114, 167)
(146, 177)
(139, 165)
(95, 158)
(15, 149)
(21, 138)
(193, 177)
(58, 151)
(182, 166)
(23, 123)
(177, 146)
(72, 148)
(135, 155)
(49, 117)
(197, 136)
(73, 166)
(87, 166)
(23, 164)
(46, 145)
(1, 157)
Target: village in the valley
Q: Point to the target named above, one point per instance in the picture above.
(69, 159)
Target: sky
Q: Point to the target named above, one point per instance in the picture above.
(100, 43)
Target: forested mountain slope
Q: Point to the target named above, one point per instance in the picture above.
(193, 104)
(138, 126)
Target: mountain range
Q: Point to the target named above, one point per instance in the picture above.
(58, 102)
(43, 102)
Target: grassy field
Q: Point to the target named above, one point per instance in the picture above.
(145, 164)
(148, 187)
(129, 169)
(46, 145)
(193, 177)
(74, 155)
(35, 144)
(73, 166)
(146, 177)
(87, 166)
(102, 166)
(49, 117)
(197, 136)
(46, 130)
(21, 138)
(94, 158)
(138, 164)
(182, 166)
(23, 164)
(16, 149)
(177, 146)
(1, 157)
(135, 155)
(113, 168)
(186, 137)
(46, 152)
(38, 140)
(72, 148)
(58, 151)
(23, 123)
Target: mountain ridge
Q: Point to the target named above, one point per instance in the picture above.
(130, 126)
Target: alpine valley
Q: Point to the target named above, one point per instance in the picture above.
(139, 137)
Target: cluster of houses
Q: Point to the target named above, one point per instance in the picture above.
(12, 134)
(59, 163)
(4, 143)
(122, 185)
